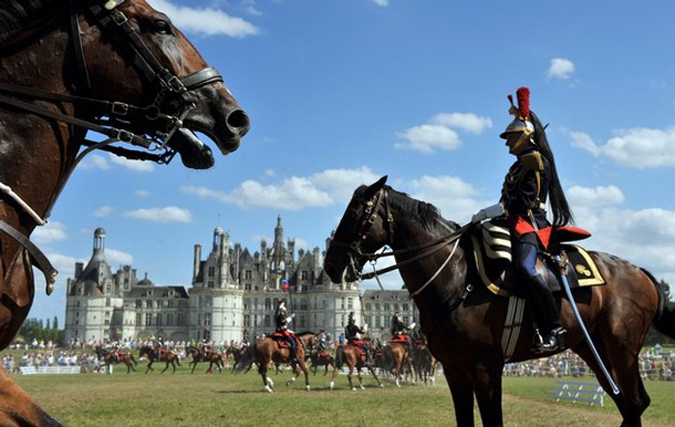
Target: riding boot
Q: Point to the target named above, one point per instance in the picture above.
(546, 315)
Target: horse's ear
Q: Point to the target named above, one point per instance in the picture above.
(374, 188)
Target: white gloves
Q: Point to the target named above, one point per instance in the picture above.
(487, 213)
(365, 328)
(412, 325)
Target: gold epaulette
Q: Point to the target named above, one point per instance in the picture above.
(532, 161)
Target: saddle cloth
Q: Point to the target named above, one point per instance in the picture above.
(492, 256)
(280, 338)
(398, 339)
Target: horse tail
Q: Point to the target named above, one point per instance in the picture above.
(664, 318)
(339, 357)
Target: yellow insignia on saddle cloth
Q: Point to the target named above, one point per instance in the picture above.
(492, 256)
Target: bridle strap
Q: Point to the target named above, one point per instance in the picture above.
(78, 51)
(38, 258)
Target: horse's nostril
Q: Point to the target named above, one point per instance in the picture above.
(239, 122)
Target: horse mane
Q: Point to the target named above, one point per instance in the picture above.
(15, 15)
(303, 333)
(427, 214)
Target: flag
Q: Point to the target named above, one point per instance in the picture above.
(285, 284)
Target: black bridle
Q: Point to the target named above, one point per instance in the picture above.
(113, 118)
(354, 249)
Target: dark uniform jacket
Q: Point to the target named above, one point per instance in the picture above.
(524, 196)
(397, 326)
(281, 318)
(351, 331)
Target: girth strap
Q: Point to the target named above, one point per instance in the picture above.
(39, 259)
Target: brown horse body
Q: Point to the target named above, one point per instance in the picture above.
(111, 358)
(464, 324)
(37, 153)
(213, 357)
(351, 356)
(402, 361)
(267, 350)
(320, 358)
(154, 355)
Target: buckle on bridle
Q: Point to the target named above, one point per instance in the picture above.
(118, 17)
(120, 108)
(175, 84)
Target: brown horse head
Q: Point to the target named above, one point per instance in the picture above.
(114, 76)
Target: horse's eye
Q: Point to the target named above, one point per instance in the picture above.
(162, 27)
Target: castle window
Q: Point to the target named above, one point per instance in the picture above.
(77, 303)
(246, 303)
(148, 319)
(138, 319)
(368, 306)
(170, 303)
(248, 275)
(267, 320)
(106, 322)
(342, 305)
(247, 320)
(395, 307)
(350, 303)
(212, 271)
(387, 307)
(247, 286)
(304, 275)
(377, 306)
(211, 284)
(107, 302)
(139, 303)
(303, 304)
(268, 305)
(342, 320)
(159, 319)
(148, 304)
(406, 307)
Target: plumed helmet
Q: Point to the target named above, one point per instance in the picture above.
(518, 125)
(521, 122)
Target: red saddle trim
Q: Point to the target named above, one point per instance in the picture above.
(398, 339)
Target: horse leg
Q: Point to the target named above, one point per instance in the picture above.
(174, 367)
(360, 376)
(462, 394)
(268, 384)
(167, 367)
(487, 381)
(349, 377)
(371, 368)
(194, 365)
(17, 408)
(331, 385)
(303, 367)
(633, 398)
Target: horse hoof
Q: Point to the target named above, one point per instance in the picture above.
(331, 385)
(381, 385)
(353, 388)
(307, 388)
(268, 389)
(362, 387)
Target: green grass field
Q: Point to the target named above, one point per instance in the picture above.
(238, 400)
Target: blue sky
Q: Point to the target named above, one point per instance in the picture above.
(340, 92)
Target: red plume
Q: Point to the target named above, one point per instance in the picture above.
(523, 95)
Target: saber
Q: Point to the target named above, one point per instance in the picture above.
(573, 303)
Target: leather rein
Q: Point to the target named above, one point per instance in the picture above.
(111, 118)
(357, 257)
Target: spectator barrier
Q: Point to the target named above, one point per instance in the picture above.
(574, 391)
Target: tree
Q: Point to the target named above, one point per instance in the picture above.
(55, 323)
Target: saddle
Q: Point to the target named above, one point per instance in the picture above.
(399, 339)
(281, 339)
(358, 344)
(491, 243)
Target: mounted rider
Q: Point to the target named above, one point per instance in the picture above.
(399, 331)
(530, 181)
(282, 319)
(352, 331)
(323, 341)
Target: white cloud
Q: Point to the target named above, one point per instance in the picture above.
(295, 193)
(595, 197)
(454, 197)
(142, 193)
(561, 68)
(52, 232)
(270, 172)
(206, 21)
(103, 211)
(132, 165)
(635, 147)
(468, 122)
(428, 138)
(114, 257)
(165, 214)
(381, 3)
(95, 161)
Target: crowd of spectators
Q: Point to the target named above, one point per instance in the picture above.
(655, 364)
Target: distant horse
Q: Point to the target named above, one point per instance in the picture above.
(351, 355)
(154, 355)
(243, 358)
(267, 350)
(198, 356)
(321, 358)
(425, 362)
(119, 68)
(402, 364)
(111, 358)
(463, 323)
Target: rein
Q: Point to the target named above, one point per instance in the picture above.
(355, 252)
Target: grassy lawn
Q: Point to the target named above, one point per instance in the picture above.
(238, 400)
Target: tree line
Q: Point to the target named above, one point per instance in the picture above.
(34, 328)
